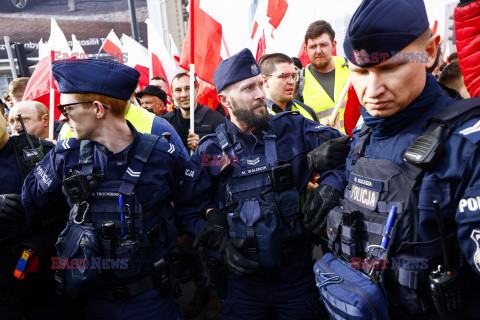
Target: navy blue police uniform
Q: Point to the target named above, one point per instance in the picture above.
(114, 250)
(266, 214)
(32, 297)
(388, 189)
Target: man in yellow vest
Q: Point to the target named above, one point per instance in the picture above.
(144, 122)
(321, 82)
(278, 73)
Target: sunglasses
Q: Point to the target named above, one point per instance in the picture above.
(61, 107)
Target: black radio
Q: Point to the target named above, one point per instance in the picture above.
(282, 176)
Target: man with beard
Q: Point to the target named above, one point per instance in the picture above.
(206, 120)
(246, 180)
(321, 82)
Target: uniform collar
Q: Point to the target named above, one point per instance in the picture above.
(122, 156)
(256, 136)
(276, 109)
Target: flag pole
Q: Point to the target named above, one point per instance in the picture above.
(192, 67)
(52, 100)
(333, 116)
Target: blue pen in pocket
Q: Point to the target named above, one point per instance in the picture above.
(120, 203)
(388, 226)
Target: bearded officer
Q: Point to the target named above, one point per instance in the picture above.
(120, 185)
(247, 178)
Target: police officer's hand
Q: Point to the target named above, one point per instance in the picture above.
(192, 140)
(329, 155)
(11, 208)
(235, 260)
(214, 234)
(321, 200)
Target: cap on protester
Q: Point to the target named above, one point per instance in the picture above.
(238, 67)
(380, 29)
(153, 91)
(95, 76)
(297, 62)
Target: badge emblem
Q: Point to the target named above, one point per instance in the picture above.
(254, 69)
(360, 56)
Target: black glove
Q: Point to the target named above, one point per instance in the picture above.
(11, 208)
(235, 260)
(214, 234)
(321, 200)
(329, 155)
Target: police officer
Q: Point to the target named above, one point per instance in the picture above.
(144, 122)
(120, 185)
(30, 294)
(396, 169)
(247, 178)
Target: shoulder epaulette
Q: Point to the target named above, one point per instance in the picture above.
(167, 147)
(67, 144)
(470, 130)
(283, 114)
(206, 137)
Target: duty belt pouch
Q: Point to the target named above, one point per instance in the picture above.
(334, 229)
(79, 270)
(258, 223)
(288, 203)
(351, 232)
(348, 293)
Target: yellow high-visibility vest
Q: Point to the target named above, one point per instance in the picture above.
(296, 107)
(317, 98)
(140, 118)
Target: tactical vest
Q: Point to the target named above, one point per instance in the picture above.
(262, 203)
(357, 227)
(107, 222)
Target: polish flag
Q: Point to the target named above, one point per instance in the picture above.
(207, 46)
(261, 47)
(276, 11)
(41, 81)
(162, 63)
(302, 55)
(77, 49)
(138, 58)
(113, 47)
(173, 49)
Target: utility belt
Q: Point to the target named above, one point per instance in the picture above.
(161, 280)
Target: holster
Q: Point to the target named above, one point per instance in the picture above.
(218, 273)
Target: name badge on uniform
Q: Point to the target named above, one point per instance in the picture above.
(364, 191)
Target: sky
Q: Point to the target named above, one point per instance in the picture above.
(288, 38)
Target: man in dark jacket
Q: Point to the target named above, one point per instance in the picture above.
(206, 120)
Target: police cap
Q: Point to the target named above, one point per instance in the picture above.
(238, 67)
(379, 29)
(95, 76)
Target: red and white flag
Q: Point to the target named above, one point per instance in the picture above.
(207, 46)
(77, 49)
(41, 81)
(138, 58)
(113, 47)
(162, 63)
(173, 49)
